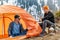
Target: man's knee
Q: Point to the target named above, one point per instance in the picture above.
(45, 21)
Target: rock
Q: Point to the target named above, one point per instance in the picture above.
(57, 29)
(51, 34)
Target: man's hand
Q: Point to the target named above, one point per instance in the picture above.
(10, 36)
(40, 19)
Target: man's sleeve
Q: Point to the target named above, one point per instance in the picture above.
(10, 29)
(48, 16)
(23, 30)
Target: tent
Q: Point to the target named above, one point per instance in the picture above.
(7, 13)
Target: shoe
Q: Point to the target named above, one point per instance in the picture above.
(41, 35)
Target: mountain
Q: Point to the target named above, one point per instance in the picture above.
(33, 6)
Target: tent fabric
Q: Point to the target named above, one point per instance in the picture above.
(7, 13)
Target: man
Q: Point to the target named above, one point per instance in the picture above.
(48, 20)
(15, 28)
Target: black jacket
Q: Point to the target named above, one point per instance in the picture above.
(49, 16)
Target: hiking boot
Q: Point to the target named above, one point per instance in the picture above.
(43, 34)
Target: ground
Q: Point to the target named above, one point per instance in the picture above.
(47, 37)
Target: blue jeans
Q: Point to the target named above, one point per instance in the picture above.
(19, 34)
(47, 23)
(14, 35)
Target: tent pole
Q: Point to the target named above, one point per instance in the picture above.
(3, 26)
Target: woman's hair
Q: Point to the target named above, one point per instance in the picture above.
(46, 7)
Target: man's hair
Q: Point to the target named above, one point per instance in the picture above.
(16, 16)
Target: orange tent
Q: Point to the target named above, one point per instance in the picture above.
(7, 13)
